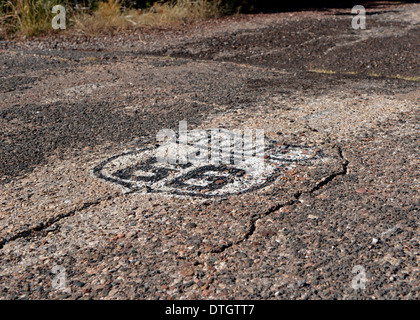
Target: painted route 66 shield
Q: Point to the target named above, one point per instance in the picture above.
(140, 171)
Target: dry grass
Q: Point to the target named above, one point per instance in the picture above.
(112, 16)
(108, 15)
(26, 17)
(31, 17)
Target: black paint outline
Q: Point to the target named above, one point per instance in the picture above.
(319, 154)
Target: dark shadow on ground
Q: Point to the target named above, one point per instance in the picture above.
(306, 5)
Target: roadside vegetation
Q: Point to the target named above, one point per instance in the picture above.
(33, 17)
(113, 15)
(23, 18)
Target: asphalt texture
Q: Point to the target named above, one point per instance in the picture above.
(74, 109)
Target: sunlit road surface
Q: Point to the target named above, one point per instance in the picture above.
(85, 213)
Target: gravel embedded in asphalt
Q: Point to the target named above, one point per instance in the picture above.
(308, 79)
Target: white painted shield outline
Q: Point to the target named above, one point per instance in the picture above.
(137, 171)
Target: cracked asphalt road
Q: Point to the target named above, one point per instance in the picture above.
(308, 79)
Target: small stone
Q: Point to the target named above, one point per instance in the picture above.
(206, 293)
(87, 290)
(268, 233)
(186, 272)
(79, 284)
(52, 228)
(113, 292)
(206, 286)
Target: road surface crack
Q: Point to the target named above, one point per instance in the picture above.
(42, 226)
(295, 200)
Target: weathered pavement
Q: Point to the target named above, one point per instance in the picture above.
(308, 79)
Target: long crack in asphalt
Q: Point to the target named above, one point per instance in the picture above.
(308, 79)
(277, 207)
